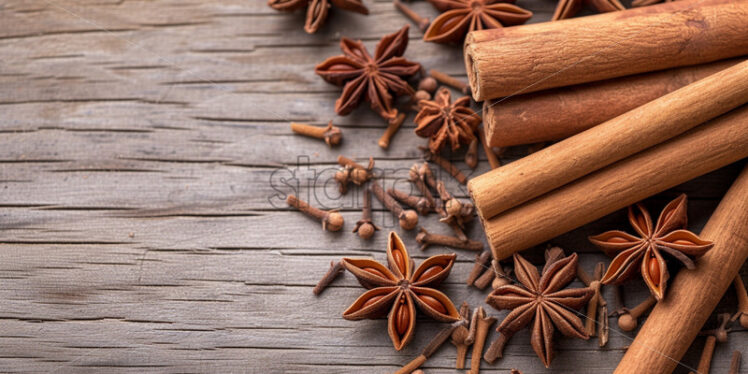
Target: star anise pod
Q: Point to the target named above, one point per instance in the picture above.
(542, 301)
(638, 3)
(399, 289)
(643, 254)
(441, 120)
(316, 10)
(568, 8)
(370, 79)
(459, 17)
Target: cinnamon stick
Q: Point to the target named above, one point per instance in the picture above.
(558, 113)
(699, 151)
(693, 294)
(522, 59)
(636, 130)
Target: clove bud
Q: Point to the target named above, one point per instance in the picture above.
(331, 219)
(629, 318)
(330, 134)
(408, 219)
(365, 227)
(426, 238)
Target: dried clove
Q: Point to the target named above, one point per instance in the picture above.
(445, 164)
(460, 337)
(420, 204)
(393, 126)
(358, 174)
(484, 323)
(592, 306)
(471, 156)
(408, 219)
(336, 268)
(629, 318)
(502, 278)
(428, 84)
(332, 220)
(330, 134)
(426, 238)
(365, 227)
(415, 177)
(713, 336)
(735, 363)
(742, 314)
(421, 22)
(431, 348)
(496, 350)
(481, 260)
(455, 210)
(451, 81)
(485, 279)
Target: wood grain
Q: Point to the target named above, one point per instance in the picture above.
(144, 147)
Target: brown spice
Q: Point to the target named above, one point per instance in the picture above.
(629, 318)
(330, 134)
(502, 278)
(496, 350)
(365, 227)
(408, 219)
(451, 81)
(713, 336)
(392, 127)
(428, 84)
(445, 164)
(419, 203)
(331, 219)
(568, 8)
(421, 22)
(459, 17)
(336, 268)
(481, 333)
(735, 363)
(481, 260)
(316, 10)
(359, 174)
(493, 159)
(426, 239)
(742, 314)
(417, 176)
(431, 348)
(471, 156)
(460, 337)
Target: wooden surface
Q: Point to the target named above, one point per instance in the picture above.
(144, 156)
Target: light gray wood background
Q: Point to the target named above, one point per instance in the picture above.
(144, 153)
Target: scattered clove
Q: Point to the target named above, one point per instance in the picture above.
(426, 238)
(451, 81)
(592, 306)
(484, 323)
(393, 126)
(358, 174)
(485, 279)
(418, 179)
(428, 84)
(471, 156)
(460, 337)
(420, 204)
(742, 314)
(332, 220)
(431, 348)
(336, 268)
(444, 164)
(735, 363)
(365, 227)
(713, 336)
(481, 260)
(330, 134)
(629, 318)
(502, 278)
(408, 219)
(493, 159)
(455, 210)
(421, 22)
(496, 350)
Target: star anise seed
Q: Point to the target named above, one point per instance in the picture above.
(441, 120)
(542, 302)
(372, 79)
(643, 254)
(316, 10)
(459, 17)
(400, 289)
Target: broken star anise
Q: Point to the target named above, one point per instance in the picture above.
(370, 78)
(316, 10)
(441, 120)
(542, 302)
(644, 253)
(399, 289)
(568, 8)
(459, 17)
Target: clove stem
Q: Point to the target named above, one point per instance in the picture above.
(408, 219)
(484, 323)
(392, 128)
(451, 81)
(496, 349)
(481, 260)
(735, 363)
(431, 348)
(336, 268)
(331, 220)
(330, 134)
(471, 156)
(501, 279)
(628, 320)
(421, 22)
(365, 227)
(444, 164)
(493, 160)
(425, 239)
(420, 204)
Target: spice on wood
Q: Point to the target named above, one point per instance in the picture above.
(445, 122)
(399, 289)
(408, 219)
(459, 17)
(331, 220)
(330, 134)
(336, 268)
(316, 10)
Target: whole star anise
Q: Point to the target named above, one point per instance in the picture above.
(644, 253)
(370, 79)
(441, 120)
(399, 289)
(568, 8)
(316, 10)
(459, 17)
(542, 301)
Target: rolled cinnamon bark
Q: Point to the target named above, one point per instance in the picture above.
(521, 59)
(706, 148)
(631, 132)
(692, 295)
(562, 112)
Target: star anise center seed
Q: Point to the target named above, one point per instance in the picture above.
(371, 68)
(476, 4)
(403, 283)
